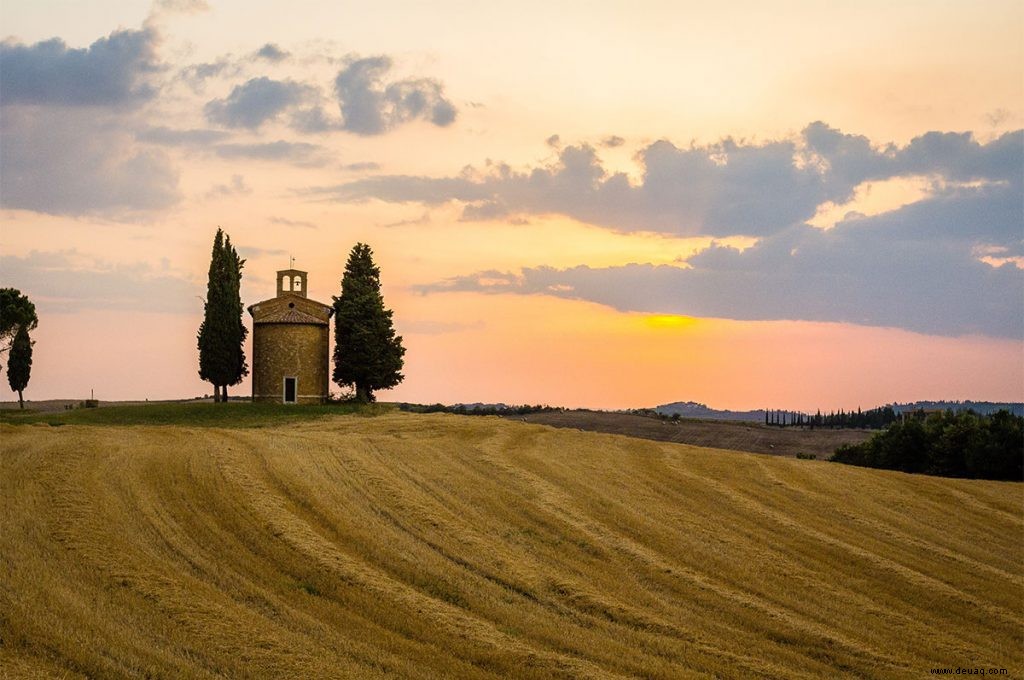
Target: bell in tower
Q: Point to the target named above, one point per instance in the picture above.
(291, 281)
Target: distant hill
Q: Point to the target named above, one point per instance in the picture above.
(692, 409)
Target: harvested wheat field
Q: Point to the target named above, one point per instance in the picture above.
(433, 546)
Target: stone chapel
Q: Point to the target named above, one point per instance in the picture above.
(290, 348)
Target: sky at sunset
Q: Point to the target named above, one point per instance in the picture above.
(605, 204)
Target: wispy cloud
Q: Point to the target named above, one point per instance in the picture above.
(285, 222)
(236, 187)
(298, 153)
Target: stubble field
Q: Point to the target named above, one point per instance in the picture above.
(432, 546)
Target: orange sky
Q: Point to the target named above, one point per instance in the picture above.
(612, 290)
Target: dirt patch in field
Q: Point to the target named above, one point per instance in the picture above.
(719, 434)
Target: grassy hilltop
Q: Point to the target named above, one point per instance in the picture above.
(438, 546)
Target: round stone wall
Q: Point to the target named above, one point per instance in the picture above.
(284, 350)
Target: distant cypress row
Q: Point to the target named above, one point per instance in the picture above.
(872, 419)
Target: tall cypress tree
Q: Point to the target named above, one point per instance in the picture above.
(221, 356)
(19, 364)
(237, 332)
(367, 353)
(209, 331)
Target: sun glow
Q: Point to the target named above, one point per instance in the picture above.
(670, 321)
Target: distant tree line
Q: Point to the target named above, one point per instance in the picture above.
(872, 419)
(479, 409)
(946, 444)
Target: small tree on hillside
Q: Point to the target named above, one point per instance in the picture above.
(16, 311)
(367, 353)
(19, 365)
(222, 333)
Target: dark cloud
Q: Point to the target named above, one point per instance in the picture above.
(722, 189)
(74, 162)
(858, 272)
(113, 71)
(371, 106)
(612, 141)
(272, 52)
(67, 281)
(314, 120)
(257, 101)
(554, 141)
(918, 267)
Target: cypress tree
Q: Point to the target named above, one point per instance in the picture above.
(19, 365)
(221, 356)
(237, 368)
(367, 353)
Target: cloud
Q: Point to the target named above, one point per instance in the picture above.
(113, 71)
(182, 6)
(165, 136)
(897, 269)
(406, 189)
(214, 142)
(271, 52)
(257, 101)
(726, 188)
(361, 166)
(298, 153)
(422, 219)
(236, 187)
(371, 106)
(67, 281)
(432, 327)
(285, 222)
(250, 252)
(74, 162)
(612, 141)
(314, 120)
(196, 75)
